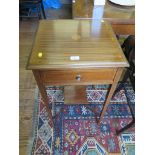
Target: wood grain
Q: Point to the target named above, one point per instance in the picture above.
(124, 29)
(95, 46)
(69, 77)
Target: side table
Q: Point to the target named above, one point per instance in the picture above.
(73, 54)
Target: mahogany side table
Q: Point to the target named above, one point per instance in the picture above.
(73, 54)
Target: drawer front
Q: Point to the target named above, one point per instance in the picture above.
(78, 77)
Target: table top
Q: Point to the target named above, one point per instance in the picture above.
(67, 44)
(85, 9)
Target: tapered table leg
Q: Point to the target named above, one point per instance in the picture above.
(111, 91)
(43, 92)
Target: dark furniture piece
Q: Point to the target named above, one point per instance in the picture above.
(129, 50)
(27, 8)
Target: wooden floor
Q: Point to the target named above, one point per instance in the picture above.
(27, 84)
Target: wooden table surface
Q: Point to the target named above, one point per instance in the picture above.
(93, 43)
(121, 18)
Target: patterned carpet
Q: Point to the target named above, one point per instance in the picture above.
(75, 129)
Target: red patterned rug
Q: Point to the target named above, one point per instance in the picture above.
(75, 129)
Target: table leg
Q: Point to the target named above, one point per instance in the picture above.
(43, 11)
(43, 92)
(111, 91)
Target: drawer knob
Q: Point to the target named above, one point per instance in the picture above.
(78, 77)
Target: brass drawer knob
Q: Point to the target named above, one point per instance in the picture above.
(78, 77)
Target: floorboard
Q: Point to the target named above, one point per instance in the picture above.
(27, 84)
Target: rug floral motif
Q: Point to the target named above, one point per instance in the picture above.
(75, 129)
